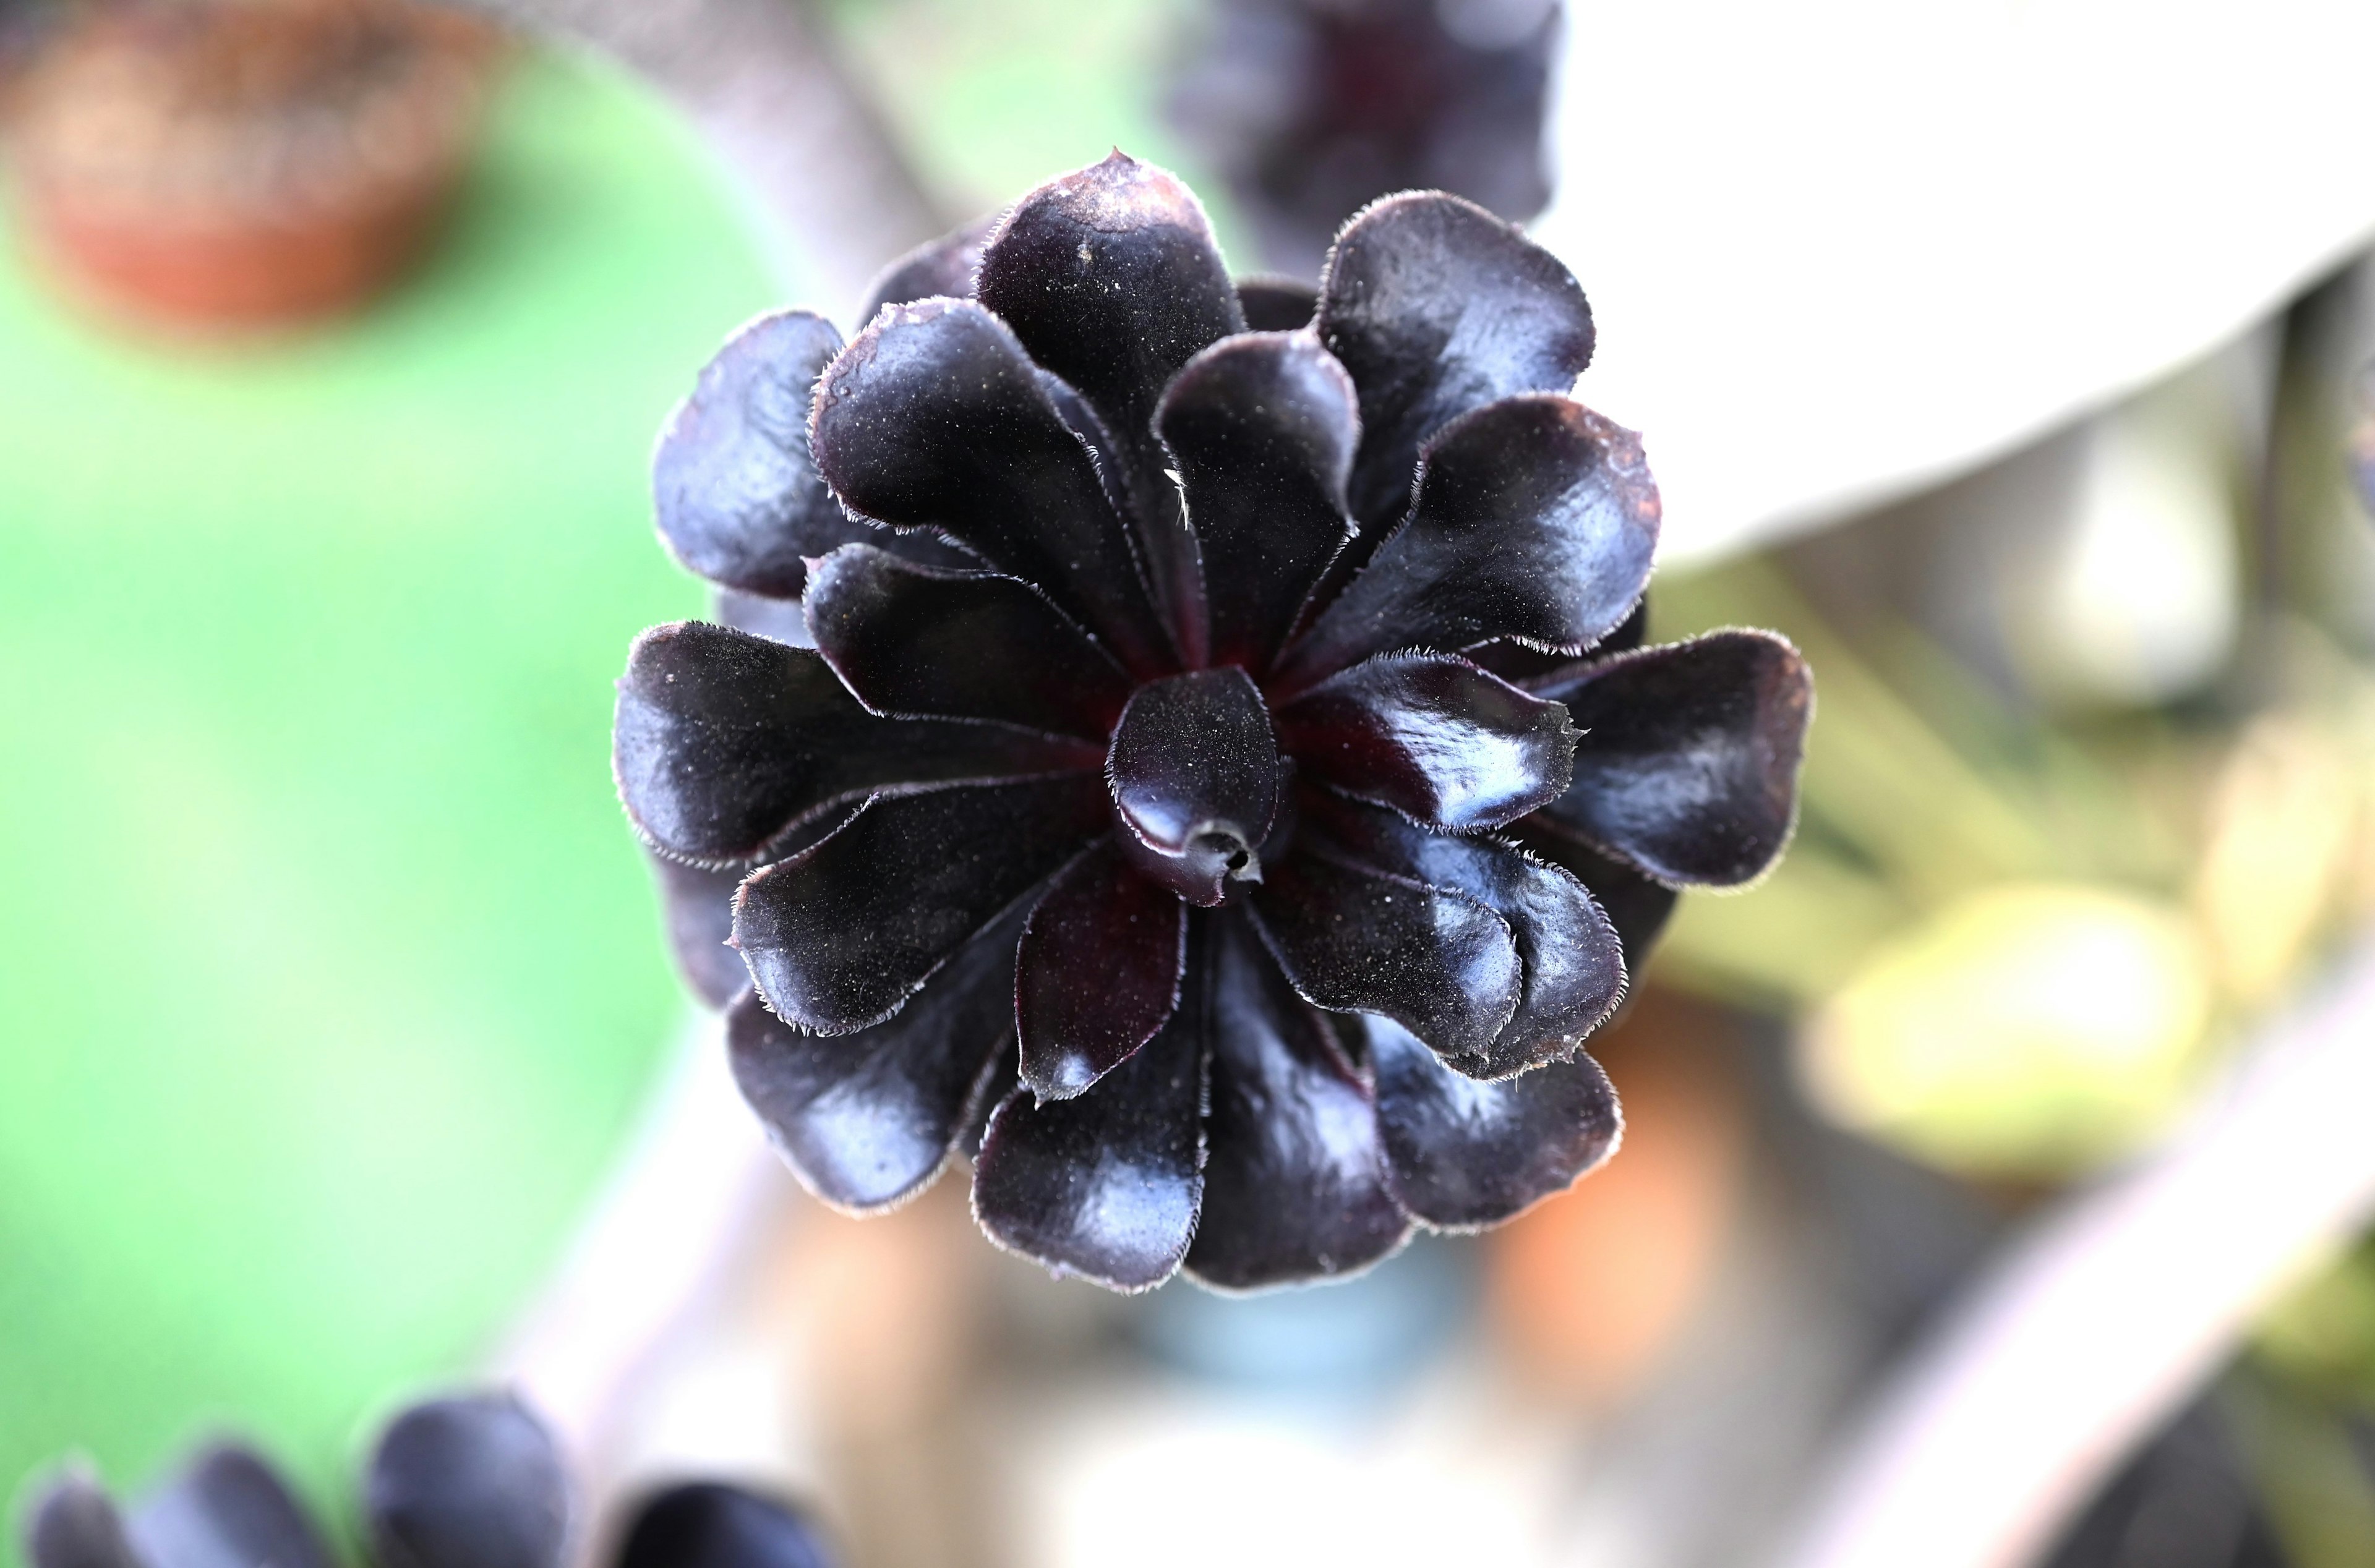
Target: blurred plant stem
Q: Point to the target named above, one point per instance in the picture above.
(763, 85)
(657, 1246)
(2087, 1333)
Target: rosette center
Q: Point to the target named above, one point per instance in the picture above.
(1197, 777)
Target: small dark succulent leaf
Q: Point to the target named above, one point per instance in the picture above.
(469, 1482)
(1261, 427)
(1688, 767)
(999, 1077)
(867, 1120)
(1536, 519)
(1107, 1185)
(1111, 278)
(934, 417)
(1438, 308)
(1638, 906)
(227, 1507)
(840, 935)
(1098, 972)
(74, 1524)
(1354, 939)
(940, 268)
(697, 907)
(1197, 777)
(1274, 303)
(1295, 1176)
(1433, 737)
(724, 741)
(911, 641)
(739, 499)
(1466, 1154)
(711, 1525)
(1575, 971)
(1521, 665)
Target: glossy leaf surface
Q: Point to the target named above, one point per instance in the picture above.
(1438, 308)
(1575, 969)
(1359, 941)
(934, 417)
(1262, 427)
(1688, 767)
(839, 936)
(1098, 972)
(1536, 519)
(1107, 1185)
(227, 1507)
(472, 1482)
(709, 1525)
(724, 740)
(909, 639)
(1111, 278)
(867, 1119)
(1465, 1154)
(1196, 778)
(1433, 736)
(1636, 904)
(739, 499)
(1295, 1177)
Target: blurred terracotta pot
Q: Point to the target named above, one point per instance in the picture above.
(1588, 1290)
(245, 163)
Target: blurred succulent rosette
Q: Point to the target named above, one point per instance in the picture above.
(1311, 109)
(209, 164)
(470, 1481)
(1226, 789)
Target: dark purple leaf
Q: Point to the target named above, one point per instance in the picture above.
(934, 417)
(1521, 665)
(1575, 971)
(724, 741)
(1465, 1154)
(1262, 429)
(1107, 1185)
(910, 641)
(710, 1524)
(1536, 519)
(866, 1120)
(1295, 1176)
(1438, 308)
(1196, 778)
(697, 907)
(937, 269)
(1098, 972)
(1433, 737)
(1637, 906)
(839, 936)
(471, 1483)
(738, 500)
(998, 1078)
(1357, 940)
(1111, 278)
(226, 1508)
(1272, 302)
(1688, 765)
(74, 1524)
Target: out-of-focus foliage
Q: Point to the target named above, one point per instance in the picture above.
(327, 979)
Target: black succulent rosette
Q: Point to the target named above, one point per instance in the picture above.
(1149, 815)
(468, 1482)
(1311, 109)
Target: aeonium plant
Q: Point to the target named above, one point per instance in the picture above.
(472, 1481)
(1225, 784)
